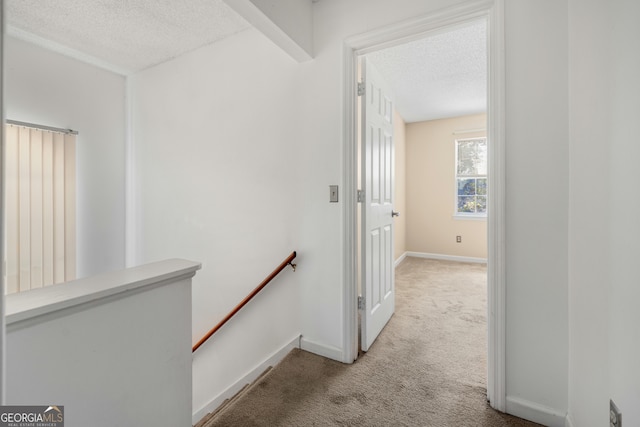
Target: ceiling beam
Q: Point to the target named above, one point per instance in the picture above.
(288, 23)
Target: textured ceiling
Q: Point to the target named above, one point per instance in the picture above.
(129, 34)
(444, 75)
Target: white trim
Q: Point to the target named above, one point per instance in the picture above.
(459, 132)
(3, 341)
(569, 421)
(460, 217)
(67, 51)
(323, 350)
(350, 184)
(535, 412)
(416, 28)
(493, 11)
(131, 236)
(443, 257)
(496, 226)
(250, 377)
(401, 258)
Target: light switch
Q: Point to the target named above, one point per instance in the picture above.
(333, 194)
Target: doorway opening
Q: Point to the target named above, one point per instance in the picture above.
(441, 22)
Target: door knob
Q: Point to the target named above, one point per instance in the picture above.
(394, 213)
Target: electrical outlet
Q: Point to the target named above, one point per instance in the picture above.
(458, 239)
(615, 417)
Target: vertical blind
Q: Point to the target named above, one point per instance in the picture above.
(40, 208)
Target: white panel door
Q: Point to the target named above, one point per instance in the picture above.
(378, 290)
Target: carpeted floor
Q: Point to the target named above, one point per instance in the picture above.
(427, 367)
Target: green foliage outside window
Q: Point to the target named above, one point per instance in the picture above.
(471, 176)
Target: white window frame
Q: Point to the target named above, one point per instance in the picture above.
(477, 216)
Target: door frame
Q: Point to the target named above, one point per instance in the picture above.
(445, 19)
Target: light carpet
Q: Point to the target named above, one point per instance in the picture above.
(427, 367)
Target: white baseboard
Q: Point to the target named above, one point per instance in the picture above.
(446, 257)
(569, 421)
(400, 259)
(327, 351)
(535, 412)
(250, 377)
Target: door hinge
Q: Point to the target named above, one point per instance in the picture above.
(360, 303)
(361, 88)
(360, 196)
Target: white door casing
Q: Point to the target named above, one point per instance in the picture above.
(378, 292)
(414, 28)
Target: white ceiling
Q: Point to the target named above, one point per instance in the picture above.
(443, 75)
(131, 35)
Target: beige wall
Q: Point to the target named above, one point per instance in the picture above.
(430, 189)
(399, 203)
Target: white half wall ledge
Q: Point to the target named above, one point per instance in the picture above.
(45, 302)
(121, 339)
(277, 23)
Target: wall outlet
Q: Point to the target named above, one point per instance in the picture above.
(615, 417)
(458, 239)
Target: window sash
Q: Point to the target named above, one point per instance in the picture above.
(476, 163)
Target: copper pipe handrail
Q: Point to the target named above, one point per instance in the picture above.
(248, 298)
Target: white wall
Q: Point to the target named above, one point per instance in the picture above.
(87, 345)
(537, 233)
(251, 193)
(216, 146)
(537, 207)
(624, 335)
(589, 222)
(568, 347)
(321, 232)
(47, 88)
(235, 146)
(604, 236)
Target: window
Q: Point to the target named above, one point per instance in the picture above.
(471, 177)
(40, 208)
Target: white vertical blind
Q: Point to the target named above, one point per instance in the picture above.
(40, 182)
